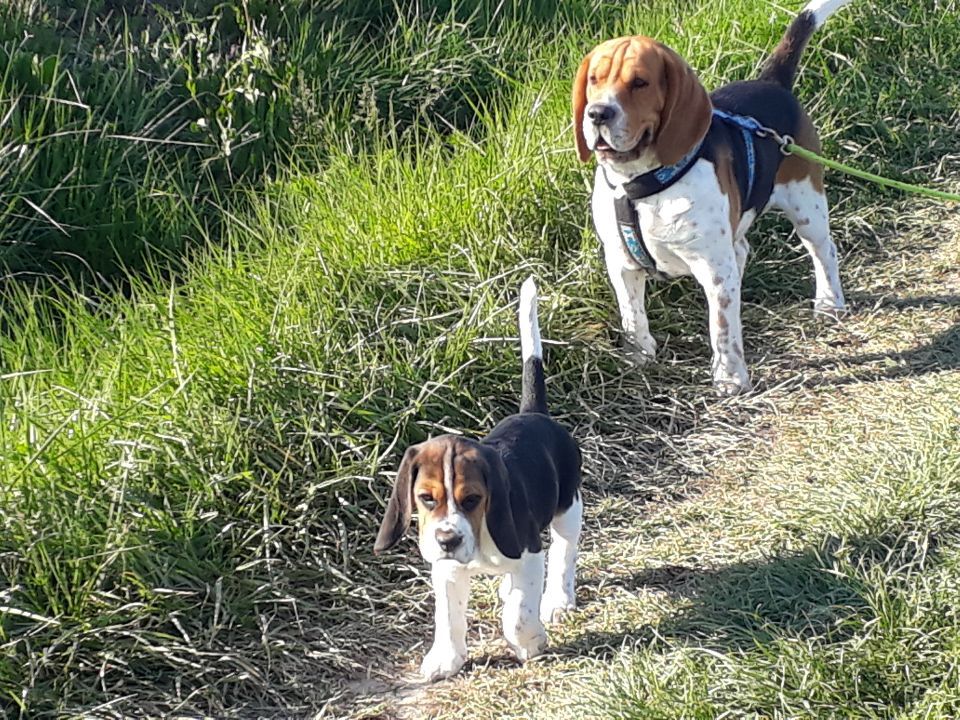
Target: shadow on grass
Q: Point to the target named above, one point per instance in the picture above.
(813, 593)
(940, 353)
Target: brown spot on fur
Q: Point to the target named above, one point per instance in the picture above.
(724, 302)
(722, 321)
(717, 280)
(796, 169)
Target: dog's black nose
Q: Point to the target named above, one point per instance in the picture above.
(448, 540)
(599, 113)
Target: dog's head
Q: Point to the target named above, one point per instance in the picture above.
(638, 105)
(460, 490)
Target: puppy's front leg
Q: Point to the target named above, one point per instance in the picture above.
(521, 607)
(720, 278)
(451, 590)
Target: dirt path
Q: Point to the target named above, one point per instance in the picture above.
(697, 505)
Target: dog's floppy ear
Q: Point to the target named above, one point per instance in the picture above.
(399, 510)
(579, 104)
(686, 113)
(500, 519)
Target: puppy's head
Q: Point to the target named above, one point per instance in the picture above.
(636, 103)
(458, 488)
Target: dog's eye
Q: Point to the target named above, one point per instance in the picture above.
(470, 502)
(639, 82)
(427, 501)
(592, 79)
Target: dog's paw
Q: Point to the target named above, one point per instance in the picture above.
(552, 609)
(830, 308)
(641, 349)
(441, 662)
(729, 386)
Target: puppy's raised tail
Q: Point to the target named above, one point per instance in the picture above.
(781, 66)
(534, 396)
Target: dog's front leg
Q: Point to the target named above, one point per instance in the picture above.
(451, 591)
(521, 607)
(630, 288)
(720, 278)
(629, 283)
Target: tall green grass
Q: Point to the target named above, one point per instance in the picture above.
(127, 125)
(193, 468)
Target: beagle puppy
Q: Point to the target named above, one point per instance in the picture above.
(482, 506)
(682, 174)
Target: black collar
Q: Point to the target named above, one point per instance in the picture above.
(658, 180)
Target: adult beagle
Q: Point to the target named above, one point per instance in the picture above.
(482, 507)
(682, 175)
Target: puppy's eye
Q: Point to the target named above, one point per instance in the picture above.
(592, 79)
(470, 502)
(639, 83)
(427, 501)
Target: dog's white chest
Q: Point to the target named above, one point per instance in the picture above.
(691, 216)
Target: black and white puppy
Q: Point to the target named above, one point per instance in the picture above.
(482, 507)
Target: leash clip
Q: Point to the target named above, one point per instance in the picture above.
(785, 142)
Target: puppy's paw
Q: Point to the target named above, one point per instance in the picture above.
(441, 662)
(730, 375)
(529, 644)
(554, 607)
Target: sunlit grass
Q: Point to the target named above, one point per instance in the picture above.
(193, 468)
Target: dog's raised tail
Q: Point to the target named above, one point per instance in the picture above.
(534, 395)
(781, 66)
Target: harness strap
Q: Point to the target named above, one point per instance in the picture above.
(749, 129)
(629, 226)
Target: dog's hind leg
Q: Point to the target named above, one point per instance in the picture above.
(805, 205)
(560, 595)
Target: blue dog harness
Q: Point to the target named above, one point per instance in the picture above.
(655, 181)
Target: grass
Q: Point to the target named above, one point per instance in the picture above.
(127, 126)
(194, 467)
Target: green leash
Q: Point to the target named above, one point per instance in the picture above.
(789, 148)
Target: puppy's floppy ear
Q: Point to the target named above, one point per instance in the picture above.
(500, 520)
(686, 113)
(579, 104)
(399, 511)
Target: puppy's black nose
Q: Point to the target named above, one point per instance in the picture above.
(599, 113)
(448, 540)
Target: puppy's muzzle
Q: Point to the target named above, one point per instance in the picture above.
(449, 540)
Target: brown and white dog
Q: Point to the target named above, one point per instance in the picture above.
(482, 507)
(640, 109)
